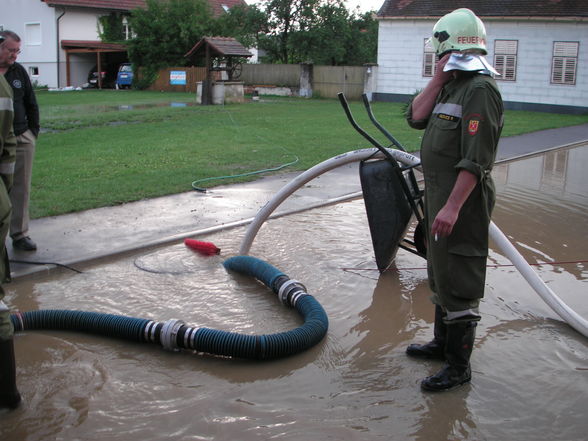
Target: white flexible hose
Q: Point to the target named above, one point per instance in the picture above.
(564, 311)
(308, 175)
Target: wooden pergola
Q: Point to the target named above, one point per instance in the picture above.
(89, 47)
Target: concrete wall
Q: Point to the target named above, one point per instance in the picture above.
(400, 59)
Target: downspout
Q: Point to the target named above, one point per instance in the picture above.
(58, 50)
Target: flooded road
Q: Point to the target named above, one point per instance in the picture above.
(530, 370)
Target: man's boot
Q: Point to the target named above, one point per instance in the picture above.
(435, 349)
(458, 349)
(9, 396)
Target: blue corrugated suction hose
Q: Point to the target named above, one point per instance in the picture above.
(175, 334)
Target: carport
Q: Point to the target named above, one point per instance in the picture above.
(86, 47)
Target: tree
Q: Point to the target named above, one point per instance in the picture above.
(325, 42)
(166, 31)
(362, 44)
(318, 31)
(285, 18)
(244, 23)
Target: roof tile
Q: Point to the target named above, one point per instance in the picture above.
(485, 8)
(218, 6)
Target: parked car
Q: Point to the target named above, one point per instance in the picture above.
(124, 78)
(107, 74)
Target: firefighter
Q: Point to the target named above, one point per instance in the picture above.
(461, 111)
(9, 396)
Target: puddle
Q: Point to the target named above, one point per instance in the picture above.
(121, 107)
(529, 368)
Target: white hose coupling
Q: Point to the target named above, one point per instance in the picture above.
(169, 334)
(288, 287)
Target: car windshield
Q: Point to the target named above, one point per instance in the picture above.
(126, 68)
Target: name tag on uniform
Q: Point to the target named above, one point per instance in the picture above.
(447, 117)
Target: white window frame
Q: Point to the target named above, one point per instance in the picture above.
(564, 64)
(429, 58)
(505, 59)
(29, 40)
(32, 70)
(126, 28)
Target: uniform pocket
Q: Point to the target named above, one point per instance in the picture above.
(446, 136)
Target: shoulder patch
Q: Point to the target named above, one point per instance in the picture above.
(473, 126)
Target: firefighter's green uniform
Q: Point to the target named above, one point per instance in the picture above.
(462, 132)
(7, 158)
(9, 395)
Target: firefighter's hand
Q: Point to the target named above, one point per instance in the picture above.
(440, 76)
(444, 221)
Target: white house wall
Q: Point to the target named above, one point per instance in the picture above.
(79, 25)
(535, 50)
(16, 14)
(400, 59)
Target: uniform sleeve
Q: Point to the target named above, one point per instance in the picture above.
(481, 127)
(420, 124)
(7, 142)
(31, 106)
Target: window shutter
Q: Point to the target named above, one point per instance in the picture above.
(565, 61)
(505, 59)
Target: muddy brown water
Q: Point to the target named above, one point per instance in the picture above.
(530, 370)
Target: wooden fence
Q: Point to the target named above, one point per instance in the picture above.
(193, 76)
(281, 75)
(326, 81)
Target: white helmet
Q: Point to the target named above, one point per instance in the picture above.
(459, 30)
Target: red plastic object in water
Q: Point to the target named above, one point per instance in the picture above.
(206, 248)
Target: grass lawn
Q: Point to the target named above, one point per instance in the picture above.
(100, 148)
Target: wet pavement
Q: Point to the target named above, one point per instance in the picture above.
(78, 238)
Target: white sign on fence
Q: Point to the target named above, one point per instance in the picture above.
(177, 77)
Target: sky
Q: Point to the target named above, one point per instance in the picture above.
(364, 5)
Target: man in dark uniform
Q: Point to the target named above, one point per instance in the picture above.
(26, 129)
(9, 396)
(461, 111)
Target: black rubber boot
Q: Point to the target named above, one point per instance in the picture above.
(435, 349)
(9, 396)
(458, 349)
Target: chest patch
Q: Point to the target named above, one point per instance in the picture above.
(473, 126)
(17, 84)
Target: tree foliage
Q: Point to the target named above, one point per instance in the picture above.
(111, 27)
(166, 31)
(286, 31)
(244, 23)
(318, 31)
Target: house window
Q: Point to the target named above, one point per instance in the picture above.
(565, 62)
(429, 59)
(505, 59)
(33, 71)
(33, 34)
(225, 7)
